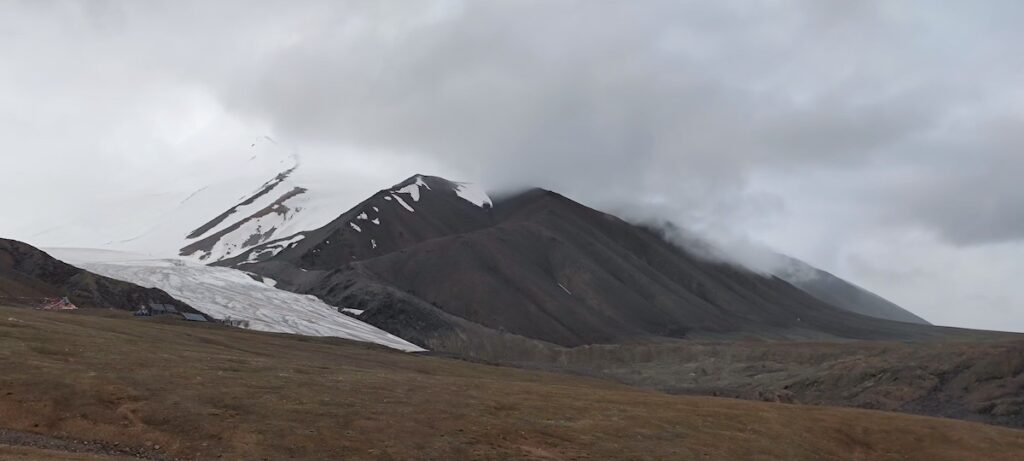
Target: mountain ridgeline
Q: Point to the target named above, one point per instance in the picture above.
(439, 264)
(28, 275)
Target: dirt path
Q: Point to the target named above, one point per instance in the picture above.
(37, 441)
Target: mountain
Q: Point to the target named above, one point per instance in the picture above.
(418, 209)
(233, 201)
(28, 275)
(842, 294)
(424, 262)
(266, 198)
(262, 198)
(252, 221)
(156, 217)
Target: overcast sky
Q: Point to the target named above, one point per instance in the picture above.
(880, 140)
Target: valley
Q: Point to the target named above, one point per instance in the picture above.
(163, 389)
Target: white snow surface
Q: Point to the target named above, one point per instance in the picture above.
(269, 281)
(414, 189)
(221, 292)
(405, 205)
(473, 194)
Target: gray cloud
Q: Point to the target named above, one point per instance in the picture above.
(670, 99)
(810, 126)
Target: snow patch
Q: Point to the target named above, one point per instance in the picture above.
(472, 194)
(375, 221)
(405, 205)
(362, 216)
(274, 247)
(354, 226)
(373, 243)
(414, 189)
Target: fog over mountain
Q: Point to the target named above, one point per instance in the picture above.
(878, 140)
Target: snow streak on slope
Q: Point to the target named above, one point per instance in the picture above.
(467, 191)
(267, 200)
(255, 218)
(222, 292)
(275, 247)
(472, 194)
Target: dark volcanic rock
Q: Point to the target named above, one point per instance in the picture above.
(377, 226)
(541, 266)
(28, 274)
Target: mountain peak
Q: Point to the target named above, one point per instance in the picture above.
(415, 184)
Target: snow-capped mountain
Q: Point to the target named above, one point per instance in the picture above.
(254, 220)
(257, 202)
(155, 219)
(260, 193)
(234, 201)
(417, 209)
(458, 259)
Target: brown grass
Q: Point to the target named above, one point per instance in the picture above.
(202, 391)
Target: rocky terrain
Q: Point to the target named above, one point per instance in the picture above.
(980, 380)
(28, 275)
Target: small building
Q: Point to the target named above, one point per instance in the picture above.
(156, 309)
(193, 317)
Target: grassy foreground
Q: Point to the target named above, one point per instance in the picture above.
(107, 386)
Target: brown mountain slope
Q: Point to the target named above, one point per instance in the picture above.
(27, 275)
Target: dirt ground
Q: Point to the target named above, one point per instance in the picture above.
(167, 389)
